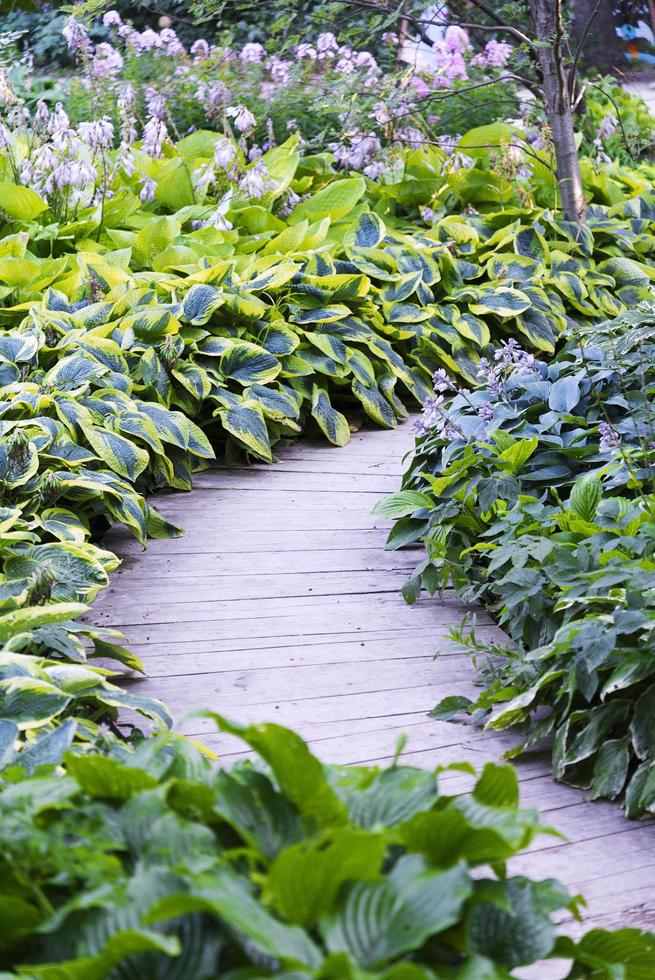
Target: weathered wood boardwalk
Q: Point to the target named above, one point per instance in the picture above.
(280, 604)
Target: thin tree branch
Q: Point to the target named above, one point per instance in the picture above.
(619, 118)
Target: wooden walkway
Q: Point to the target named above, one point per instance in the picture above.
(280, 604)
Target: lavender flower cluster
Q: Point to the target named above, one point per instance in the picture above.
(493, 375)
(226, 85)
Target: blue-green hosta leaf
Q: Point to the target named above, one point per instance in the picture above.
(402, 504)
(333, 347)
(377, 922)
(246, 306)
(73, 373)
(120, 455)
(406, 313)
(361, 366)
(276, 338)
(401, 290)
(375, 404)
(564, 395)
(625, 271)
(322, 314)
(368, 232)
(304, 879)
(512, 268)
(200, 302)
(249, 364)
(193, 379)
(275, 404)
(31, 618)
(472, 328)
(538, 328)
(333, 424)
(8, 738)
(30, 702)
(74, 570)
(532, 244)
(17, 347)
(273, 276)
(18, 463)
(501, 301)
(64, 525)
(48, 748)
(247, 424)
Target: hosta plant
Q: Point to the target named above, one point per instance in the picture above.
(534, 494)
(154, 863)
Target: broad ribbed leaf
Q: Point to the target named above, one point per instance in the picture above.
(377, 922)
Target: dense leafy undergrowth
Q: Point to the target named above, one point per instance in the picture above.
(154, 864)
(152, 317)
(143, 331)
(534, 494)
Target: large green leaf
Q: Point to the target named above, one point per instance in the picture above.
(377, 922)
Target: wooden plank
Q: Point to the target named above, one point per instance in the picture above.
(280, 604)
(242, 540)
(234, 564)
(180, 659)
(300, 616)
(228, 587)
(305, 481)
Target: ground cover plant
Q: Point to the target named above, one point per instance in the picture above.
(164, 300)
(154, 863)
(534, 493)
(168, 295)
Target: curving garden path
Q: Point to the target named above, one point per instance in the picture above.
(280, 604)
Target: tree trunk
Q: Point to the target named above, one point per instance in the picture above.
(547, 16)
(602, 48)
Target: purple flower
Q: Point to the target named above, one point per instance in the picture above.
(199, 50)
(305, 50)
(326, 45)
(608, 126)
(155, 102)
(364, 59)
(256, 181)
(77, 37)
(112, 19)
(486, 412)
(154, 135)
(212, 96)
(280, 70)
(98, 135)
(360, 152)
(148, 188)
(456, 40)
(252, 53)
(442, 381)
(172, 43)
(224, 153)
(106, 61)
(609, 439)
(497, 53)
(244, 120)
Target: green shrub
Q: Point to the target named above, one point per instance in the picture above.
(535, 496)
(152, 863)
